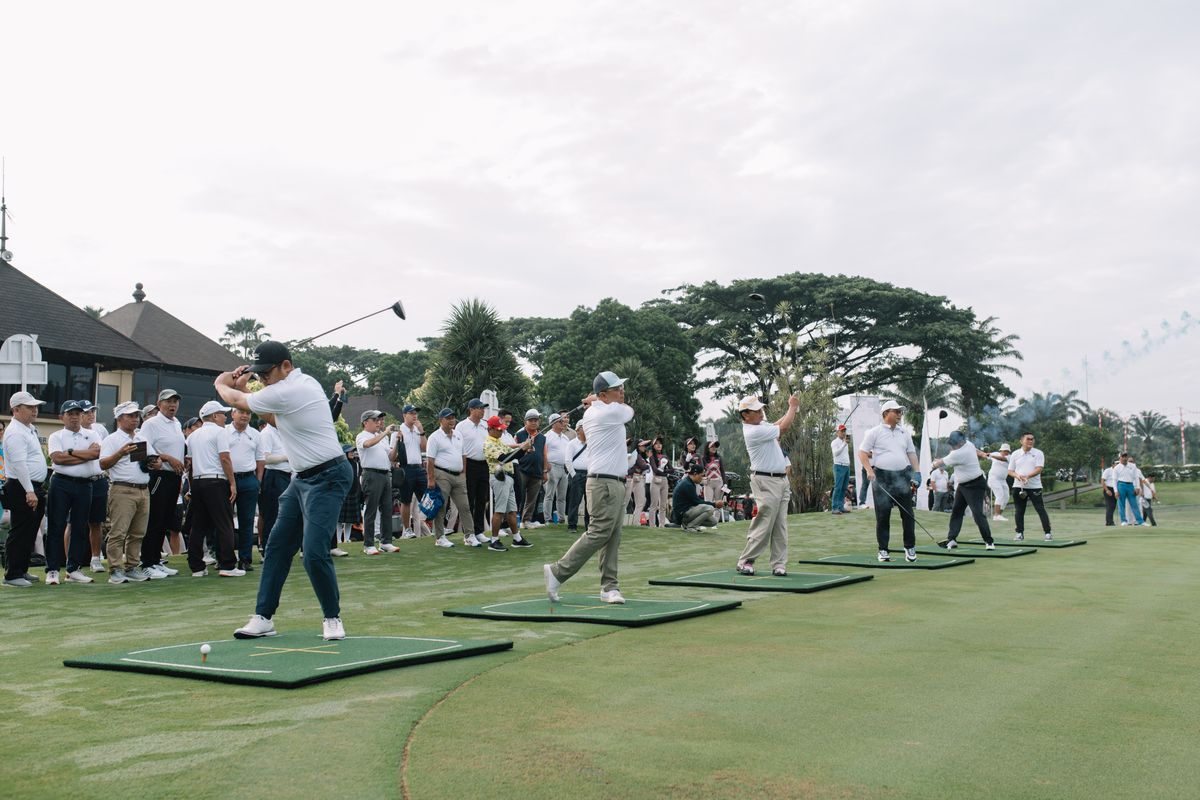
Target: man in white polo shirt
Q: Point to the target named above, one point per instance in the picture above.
(309, 508)
(214, 490)
(75, 452)
(1129, 489)
(1025, 466)
(277, 474)
(164, 433)
(249, 462)
(889, 458)
(557, 483)
(768, 484)
(604, 425)
(971, 491)
(24, 487)
(1108, 482)
(128, 508)
(473, 430)
(445, 470)
(997, 481)
(407, 454)
(375, 457)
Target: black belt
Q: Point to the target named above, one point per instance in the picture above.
(768, 474)
(617, 478)
(443, 469)
(131, 485)
(377, 471)
(319, 468)
(74, 479)
(249, 474)
(1129, 483)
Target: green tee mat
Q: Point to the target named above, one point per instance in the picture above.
(287, 661)
(792, 582)
(854, 560)
(1039, 542)
(975, 552)
(590, 608)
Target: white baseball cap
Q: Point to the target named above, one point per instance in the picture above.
(750, 403)
(891, 405)
(533, 413)
(1006, 447)
(128, 407)
(24, 399)
(212, 407)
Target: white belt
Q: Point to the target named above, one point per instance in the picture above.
(207, 477)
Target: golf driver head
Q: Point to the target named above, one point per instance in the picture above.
(398, 308)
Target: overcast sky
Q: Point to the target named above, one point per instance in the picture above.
(305, 163)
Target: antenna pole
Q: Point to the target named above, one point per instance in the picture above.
(3, 208)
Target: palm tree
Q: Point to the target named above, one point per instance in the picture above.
(243, 335)
(1151, 428)
(918, 393)
(95, 312)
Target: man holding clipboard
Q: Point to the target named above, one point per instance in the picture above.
(127, 457)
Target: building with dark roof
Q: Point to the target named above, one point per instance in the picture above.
(355, 406)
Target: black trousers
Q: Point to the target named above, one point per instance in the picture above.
(26, 522)
(1023, 496)
(164, 492)
(973, 494)
(1110, 506)
(893, 482)
(211, 513)
(1148, 514)
(577, 495)
(479, 492)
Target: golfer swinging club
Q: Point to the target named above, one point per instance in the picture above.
(308, 509)
(604, 426)
(972, 488)
(890, 460)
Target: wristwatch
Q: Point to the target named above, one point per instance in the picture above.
(70, 451)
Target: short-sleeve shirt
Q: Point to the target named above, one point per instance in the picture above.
(888, 447)
(1023, 463)
(205, 446)
(245, 448)
(378, 456)
(165, 436)
(124, 470)
(63, 440)
(272, 445)
(965, 461)
(473, 434)
(557, 447)
(1107, 478)
(411, 452)
(493, 451)
(302, 417)
(578, 459)
(604, 428)
(762, 444)
(940, 479)
(446, 451)
(998, 471)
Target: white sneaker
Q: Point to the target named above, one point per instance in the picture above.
(117, 576)
(77, 576)
(388, 547)
(910, 554)
(138, 574)
(409, 533)
(483, 538)
(614, 597)
(505, 532)
(442, 541)
(256, 627)
(338, 552)
(990, 546)
(52, 578)
(371, 551)
(471, 541)
(164, 569)
(1000, 518)
(951, 544)
(200, 574)
(97, 564)
(552, 584)
(209, 559)
(1020, 537)
(884, 555)
(1049, 537)
(231, 573)
(1123, 524)
(154, 573)
(332, 629)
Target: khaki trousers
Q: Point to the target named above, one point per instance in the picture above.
(658, 501)
(701, 515)
(606, 504)
(454, 489)
(127, 514)
(635, 487)
(770, 525)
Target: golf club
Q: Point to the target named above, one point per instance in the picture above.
(910, 513)
(397, 308)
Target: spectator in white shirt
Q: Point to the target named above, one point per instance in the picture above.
(98, 511)
(473, 430)
(1025, 466)
(1129, 489)
(407, 453)
(557, 455)
(939, 479)
(24, 487)
(998, 481)
(214, 490)
(445, 470)
(75, 453)
(1108, 483)
(1149, 494)
(164, 433)
(841, 471)
(375, 459)
(971, 490)
(249, 462)
(889, 458)
(577, 489)
(129, 496)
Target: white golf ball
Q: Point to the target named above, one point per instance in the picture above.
(205, 649)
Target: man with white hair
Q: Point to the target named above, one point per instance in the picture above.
(604, 426)
(768, 483)
(889, 457)
(24, 487)
(972, 488)
(997, 481)
(214, 490)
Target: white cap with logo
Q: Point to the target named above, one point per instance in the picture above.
(24, 399)
(212, 407)
(891, 405)
(128, 407)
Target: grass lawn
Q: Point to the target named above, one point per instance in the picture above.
(1069, 673)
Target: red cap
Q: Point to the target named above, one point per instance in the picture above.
(495, 423)
(841, 427)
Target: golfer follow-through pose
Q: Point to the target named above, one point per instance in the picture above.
(972, 488)
(889, 458)
(768, 482)
(604, 426)
(309, 507)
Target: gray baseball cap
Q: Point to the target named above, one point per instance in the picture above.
(605, 381)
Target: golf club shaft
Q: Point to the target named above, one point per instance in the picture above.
(392, 307)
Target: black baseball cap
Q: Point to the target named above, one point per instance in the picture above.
(475, 402)
(269, 354)
(694, 468)
(446, 413)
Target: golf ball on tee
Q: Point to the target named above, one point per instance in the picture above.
(205, 649)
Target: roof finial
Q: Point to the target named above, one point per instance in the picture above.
(138, 294)
(377, 389)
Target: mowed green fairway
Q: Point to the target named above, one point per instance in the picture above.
(1068, 673)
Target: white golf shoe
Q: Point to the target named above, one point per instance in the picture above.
(257, 627)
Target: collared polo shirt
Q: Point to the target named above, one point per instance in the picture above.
(1023, 463)
(205, 446)
(24, 460)
(965, 461)
(304, 421)
(245, 448)
(165, 436)
(762, 443)
(63, 440)
(604, 427)
(125, 470)
(473, 434)
(446, 451)
(378, 456)
(889, 447)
